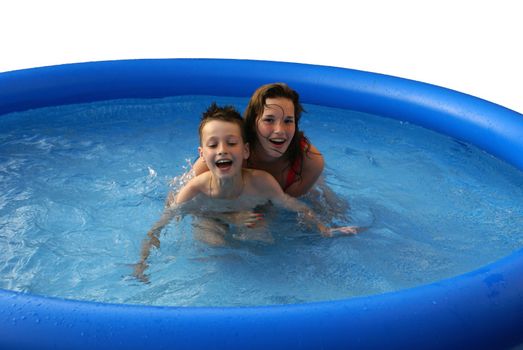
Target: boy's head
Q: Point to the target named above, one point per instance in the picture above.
(226, 114)
(222, 141)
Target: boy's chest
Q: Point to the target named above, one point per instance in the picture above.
(216, 205)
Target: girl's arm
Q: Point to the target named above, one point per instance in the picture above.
(312, 168)
(199, 166)
(302, 209)
(268, 186)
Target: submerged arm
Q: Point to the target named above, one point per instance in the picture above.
(267, 185)
(302, 209)
(152, 240)
(172, 205)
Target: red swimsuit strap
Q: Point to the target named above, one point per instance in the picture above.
(293, 172)
(295, 167)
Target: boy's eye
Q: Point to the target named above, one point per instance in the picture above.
(212, 145)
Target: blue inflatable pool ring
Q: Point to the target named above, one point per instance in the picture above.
(479, 309)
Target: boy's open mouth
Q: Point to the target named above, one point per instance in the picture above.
(223, 163)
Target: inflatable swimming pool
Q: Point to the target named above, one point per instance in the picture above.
(480, 309)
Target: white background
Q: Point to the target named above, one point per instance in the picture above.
(473, 46)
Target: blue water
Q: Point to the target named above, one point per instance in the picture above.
(81, 185)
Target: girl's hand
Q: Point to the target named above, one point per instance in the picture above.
(248, 219)
(253, 220)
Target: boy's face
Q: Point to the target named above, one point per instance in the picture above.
(222, 148)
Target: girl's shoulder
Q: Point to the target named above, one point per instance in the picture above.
(313, 157)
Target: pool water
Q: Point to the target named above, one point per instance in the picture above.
(80, 186)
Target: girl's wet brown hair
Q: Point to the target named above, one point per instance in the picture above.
(255, 109)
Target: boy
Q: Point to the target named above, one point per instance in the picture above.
(228, 192)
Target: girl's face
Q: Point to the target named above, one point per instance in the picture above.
(223, 149)
(275, 128)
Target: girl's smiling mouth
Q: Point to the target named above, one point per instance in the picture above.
(277, 141)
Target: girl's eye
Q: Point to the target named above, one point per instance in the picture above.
(289, 121)
(268, 120)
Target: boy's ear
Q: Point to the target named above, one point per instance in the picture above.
(247, 151)
(200, 151)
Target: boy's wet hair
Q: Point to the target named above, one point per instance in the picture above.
(226, 114)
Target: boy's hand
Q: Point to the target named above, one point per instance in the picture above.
(346, 230)
(139, 272)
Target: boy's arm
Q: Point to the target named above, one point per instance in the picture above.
(152, 240)
(189, 191)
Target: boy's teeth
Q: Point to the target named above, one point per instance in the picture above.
(223, 162)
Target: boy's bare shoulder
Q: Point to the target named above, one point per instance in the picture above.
(195, 186)
(261, 181)
(258, 176)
